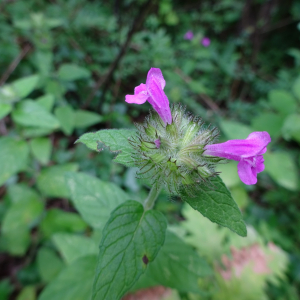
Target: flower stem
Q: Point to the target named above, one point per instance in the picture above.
(153, 194)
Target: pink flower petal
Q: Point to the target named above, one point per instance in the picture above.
(156, 74)
(239, 149)
(246, 173)
(153, 92)
(260, 164)
(158, 98)
(140, 95)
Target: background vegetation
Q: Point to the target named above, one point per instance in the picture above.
(66, 67)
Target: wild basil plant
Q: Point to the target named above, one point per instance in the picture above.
(175, 151)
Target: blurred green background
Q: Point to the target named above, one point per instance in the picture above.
(66, 66)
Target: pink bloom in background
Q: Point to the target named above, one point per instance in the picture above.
(248, 152)
(153, 92)
(157, 143)
(189, 35)
(205, 41)
(252, 256)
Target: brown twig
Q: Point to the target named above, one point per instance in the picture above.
(105, 80)
(14, 64)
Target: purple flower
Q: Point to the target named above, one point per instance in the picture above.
(189, 35)
(153, 92)
(205, 41)
(157, 143)
(248, 152)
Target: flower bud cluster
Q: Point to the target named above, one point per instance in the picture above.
(173, 154)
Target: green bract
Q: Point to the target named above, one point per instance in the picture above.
(173, 155)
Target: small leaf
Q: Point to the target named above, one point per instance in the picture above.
(229, 174)
(27, 293)
(51, 181)
(15, 242)
(21, 192)
(281, 167)
(22, 214)
(115, 139)
(73, 246)
(46, 101)
(74, 282)
(41, 149)
(291, 127)
(235, 130)
(13, 157)
(48, 263)
(84, 118)
(66, 117)
(61, 221)
(30, 113)
(296, 87)
(131, 240)
(268, 121)
(71, 72)
(35, 131)
(18, 220)
(216, 203)
(93, 198)
(5, 109)
(24, 86)
(282, 101)
(177, 266)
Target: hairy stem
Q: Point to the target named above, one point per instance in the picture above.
(153, 194)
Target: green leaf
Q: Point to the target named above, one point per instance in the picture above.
(16, 242)
(229, 174)
(27, 293)
(5, 109)
(115, 139)
(19, 89)
(21, 192)
(131, 239)
(291, 127)
(84, 118)
(282, 101)
(13, 157)
(73, 246)
(74, 282)
(6, 289)
(23, 87)
(70, 72)
(49, 264)
(41, 149)
(212, 249)
(21, 214)
(270, 122)
(93, 198)
(281, 167)
(51, 180)
(216, 203)
(66, 117)
(61, 221)
(177, 266)
(296, 87)
(30, 113)
(46, 101)
(18, 220)
(235, 130)
(35, 131)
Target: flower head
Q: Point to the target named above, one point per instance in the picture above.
(153, 92)
(172, 154)
(205, 41)
(248, 152)
(189, 35)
